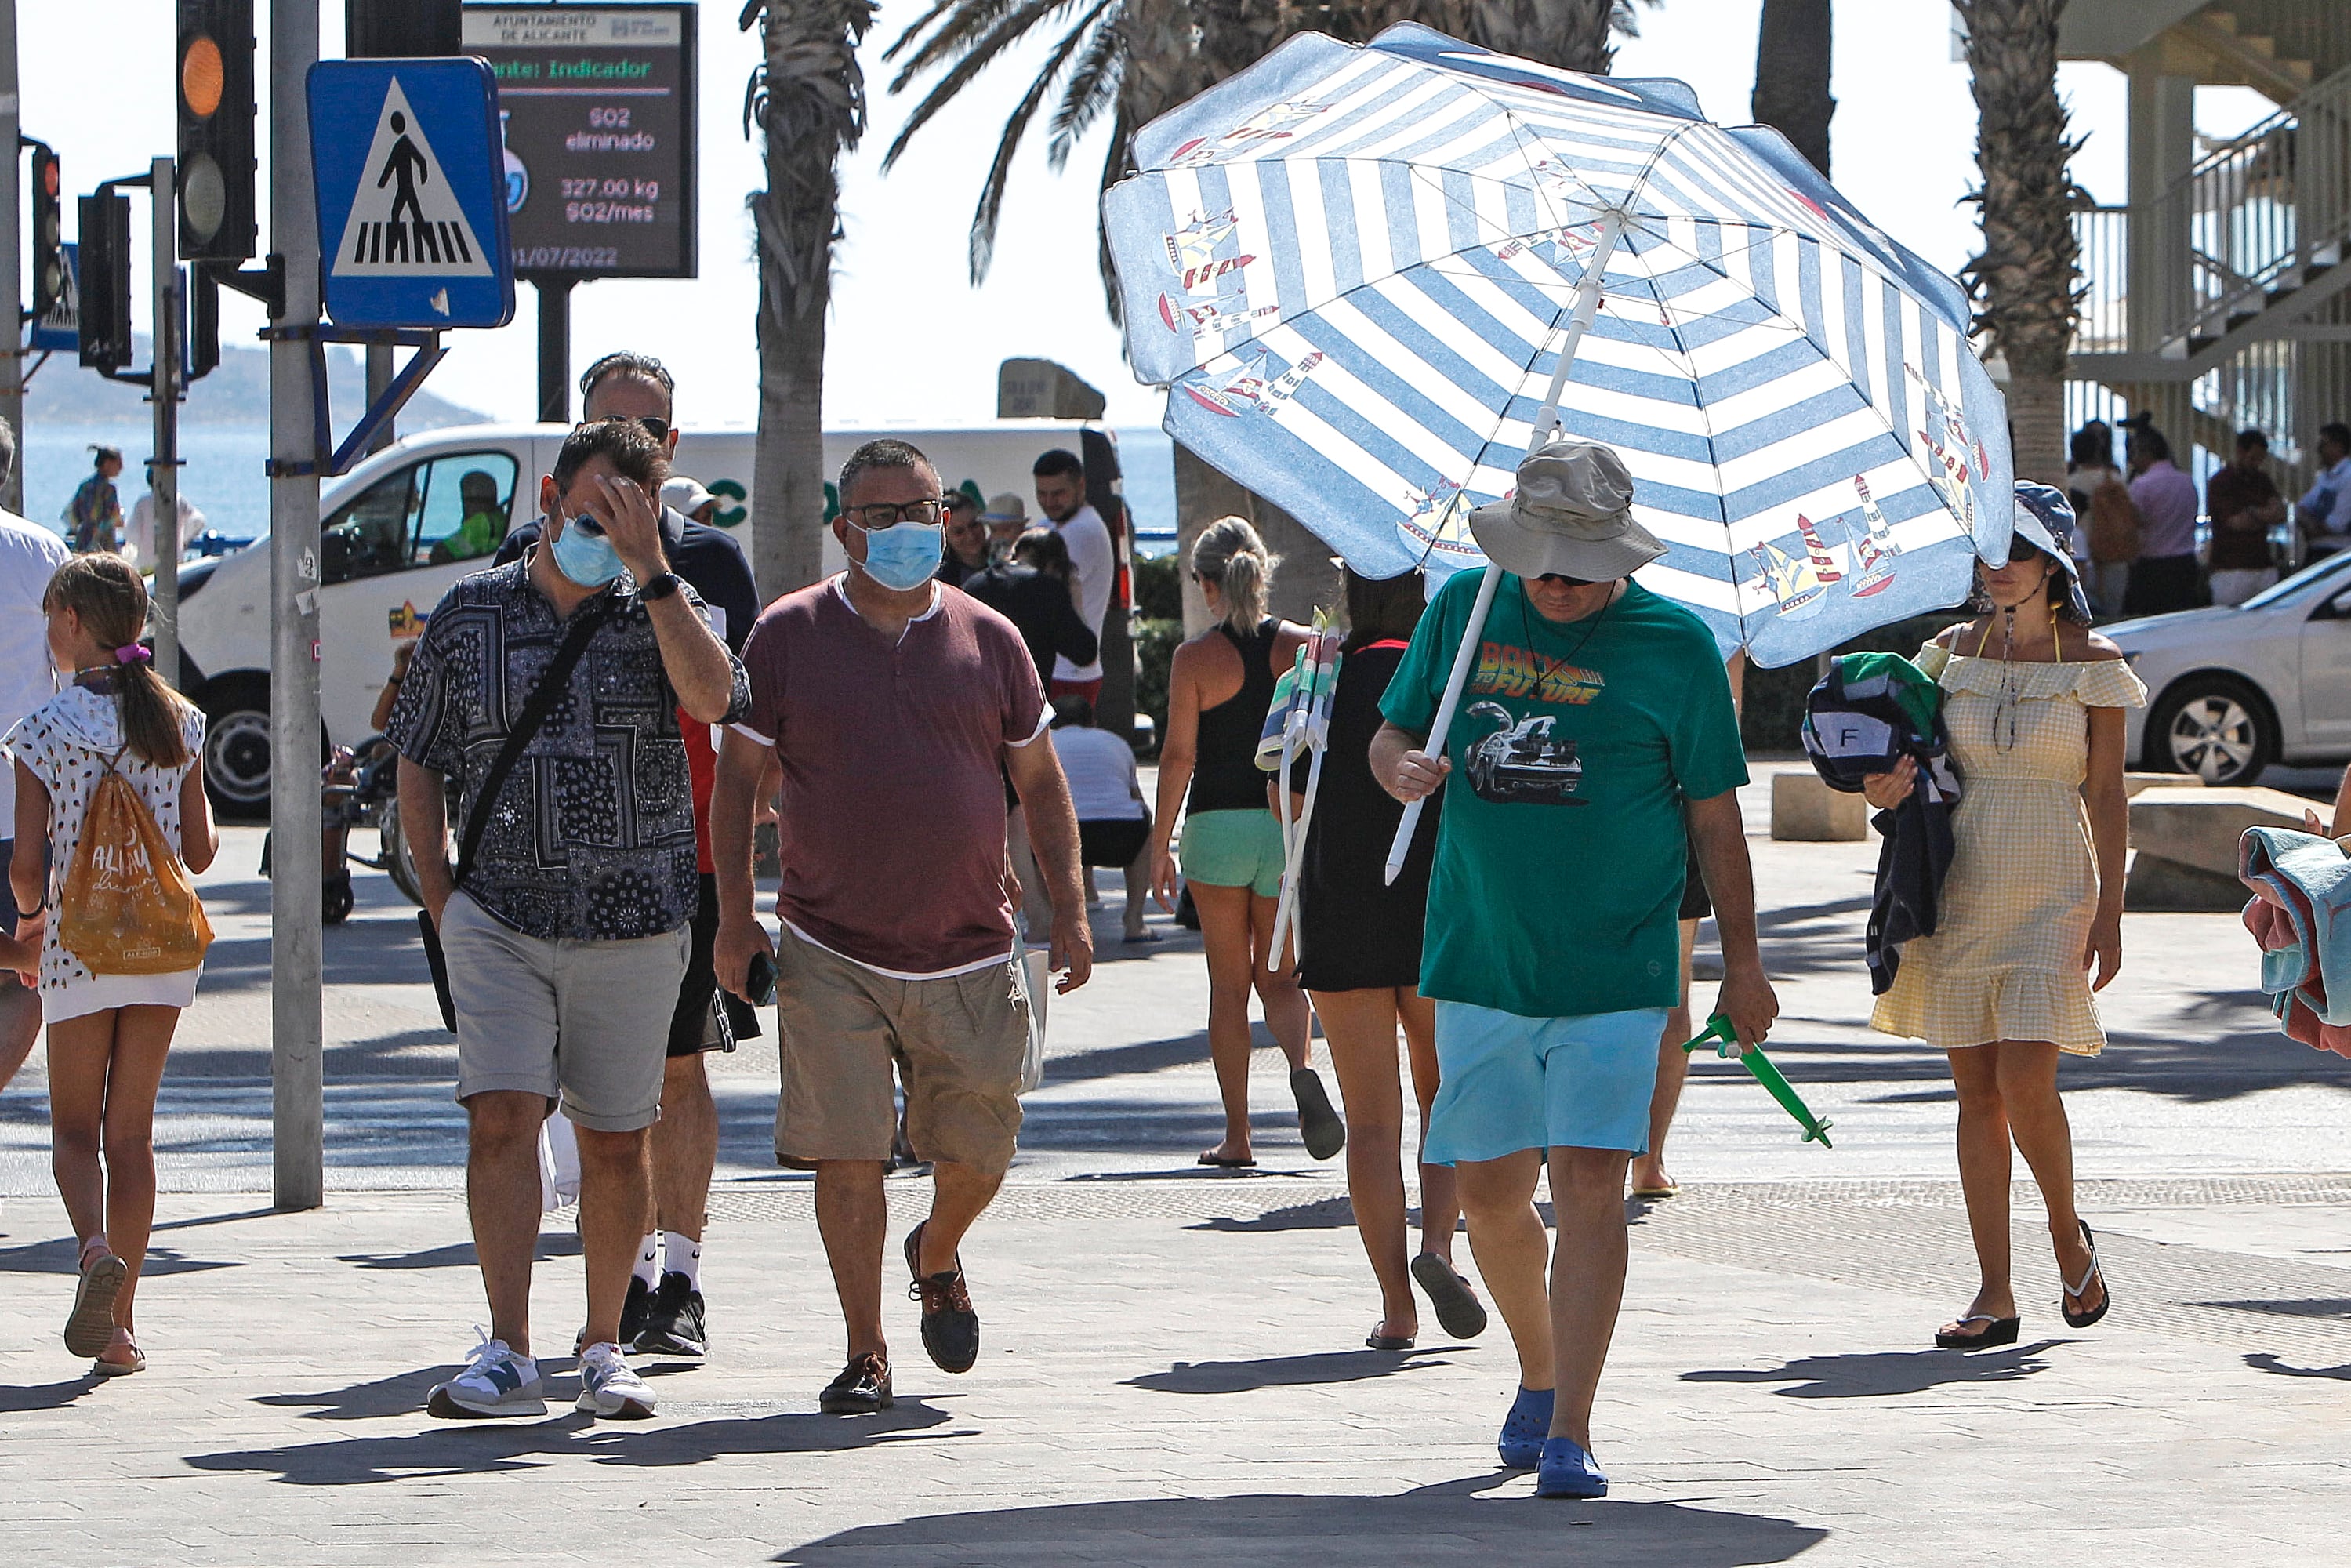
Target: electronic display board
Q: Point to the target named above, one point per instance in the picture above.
(597, 103)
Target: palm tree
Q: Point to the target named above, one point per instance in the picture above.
(1791, 76)
(807, 99)
(1572, 34)
(2026, 282)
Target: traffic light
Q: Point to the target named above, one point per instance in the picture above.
(105, 258)
(49, 211)
(215, 163)
(396, 29)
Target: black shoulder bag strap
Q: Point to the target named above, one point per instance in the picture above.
(543, 698)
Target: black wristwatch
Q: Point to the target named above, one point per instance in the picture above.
(653, 589)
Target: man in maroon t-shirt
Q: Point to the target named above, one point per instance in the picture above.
(895, 708)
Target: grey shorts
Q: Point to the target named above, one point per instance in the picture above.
(958, 1041)
(584, 1022)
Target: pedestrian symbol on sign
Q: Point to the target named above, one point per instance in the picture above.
(406, 221)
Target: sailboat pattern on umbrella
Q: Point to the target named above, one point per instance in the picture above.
(1413, 220)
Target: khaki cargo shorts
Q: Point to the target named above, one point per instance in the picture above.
(958, 1041)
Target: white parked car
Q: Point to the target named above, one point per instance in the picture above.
(385, 541)
(2232, 689)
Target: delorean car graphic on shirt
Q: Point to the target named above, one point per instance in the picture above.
(1520, 764)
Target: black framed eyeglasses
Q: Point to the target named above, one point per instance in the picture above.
(1562, 578)
(886, 515)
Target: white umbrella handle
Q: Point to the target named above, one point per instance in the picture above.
(1587, 304)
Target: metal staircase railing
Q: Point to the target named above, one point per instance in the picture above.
(2254, 220)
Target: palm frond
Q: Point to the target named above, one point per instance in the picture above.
(938, 9)
(1009, 28)
(999, 174)
(974, 25)
(1093, 86)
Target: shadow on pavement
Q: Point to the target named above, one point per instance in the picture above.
(1406, 1530)
(1286, 1371)
(459, 1254)
(61, 1257)
(46, 1396)
(2306, 1307)
(1325, 1214)
(462, 1448)
(1877, 1375)
(402, 1394)
(2263, 1361)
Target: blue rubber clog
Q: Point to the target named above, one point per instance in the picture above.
(1524, 1428)
(1566, 1470)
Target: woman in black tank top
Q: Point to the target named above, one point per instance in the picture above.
(1232, 845)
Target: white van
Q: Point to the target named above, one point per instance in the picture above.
(380, 574)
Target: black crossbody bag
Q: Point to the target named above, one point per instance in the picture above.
(477, 815)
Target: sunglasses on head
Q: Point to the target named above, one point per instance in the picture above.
(654, 424)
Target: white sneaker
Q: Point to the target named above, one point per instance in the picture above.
(609, 1386)
(496, 1382)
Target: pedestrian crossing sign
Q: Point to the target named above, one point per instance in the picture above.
(411, 183)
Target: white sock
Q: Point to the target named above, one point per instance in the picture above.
(682, 1254)
(648, 1261)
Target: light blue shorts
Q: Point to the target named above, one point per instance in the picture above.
(1507, 1084)
(1234, 849)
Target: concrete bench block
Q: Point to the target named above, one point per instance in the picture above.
(2135, 782)
(1806, 810)
(2199, 827)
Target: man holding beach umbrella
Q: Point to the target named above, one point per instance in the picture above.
(1597, 714)
(1380, 284)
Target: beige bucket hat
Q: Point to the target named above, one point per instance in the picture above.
(1570, 514)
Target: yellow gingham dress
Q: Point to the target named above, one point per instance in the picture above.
(2005, 961)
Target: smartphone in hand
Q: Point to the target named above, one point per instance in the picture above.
(760, 979)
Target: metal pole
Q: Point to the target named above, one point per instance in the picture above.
(379, 380)
(163, 472)
(12, 359)
(1587, 304)
(298, 1086)
(554, 349)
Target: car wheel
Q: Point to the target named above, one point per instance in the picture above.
(236, 748)
(2216, 726)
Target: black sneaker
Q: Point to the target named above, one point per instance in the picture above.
(674, 1322)
(950, 1327)
(863, 1387)
(633, 1312)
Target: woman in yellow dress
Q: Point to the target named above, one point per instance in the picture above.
(2033, 903)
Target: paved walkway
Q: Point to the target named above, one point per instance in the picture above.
(1173, 1371)
(1170, 1376)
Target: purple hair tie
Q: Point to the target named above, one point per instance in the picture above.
(132, 653)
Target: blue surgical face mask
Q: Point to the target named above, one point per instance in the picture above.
(587, 558)
(902, 557)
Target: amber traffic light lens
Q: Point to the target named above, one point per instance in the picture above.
(200, 77)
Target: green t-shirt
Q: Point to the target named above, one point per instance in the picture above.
(1561, 850)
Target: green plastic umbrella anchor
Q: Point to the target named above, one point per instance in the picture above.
(1718, 1028)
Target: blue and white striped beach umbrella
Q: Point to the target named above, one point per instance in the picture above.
(1355, 270)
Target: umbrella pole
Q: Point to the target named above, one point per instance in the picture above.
(1285, 913)
(1587, 304)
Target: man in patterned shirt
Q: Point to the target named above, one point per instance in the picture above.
(567, 942)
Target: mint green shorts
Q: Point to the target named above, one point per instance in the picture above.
(1234, 849)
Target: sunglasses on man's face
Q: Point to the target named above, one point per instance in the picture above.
(1564, 580)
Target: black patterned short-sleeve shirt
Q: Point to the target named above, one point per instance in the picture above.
(591, 837)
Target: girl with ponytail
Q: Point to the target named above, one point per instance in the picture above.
(1220, 686)
(108, 1032)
